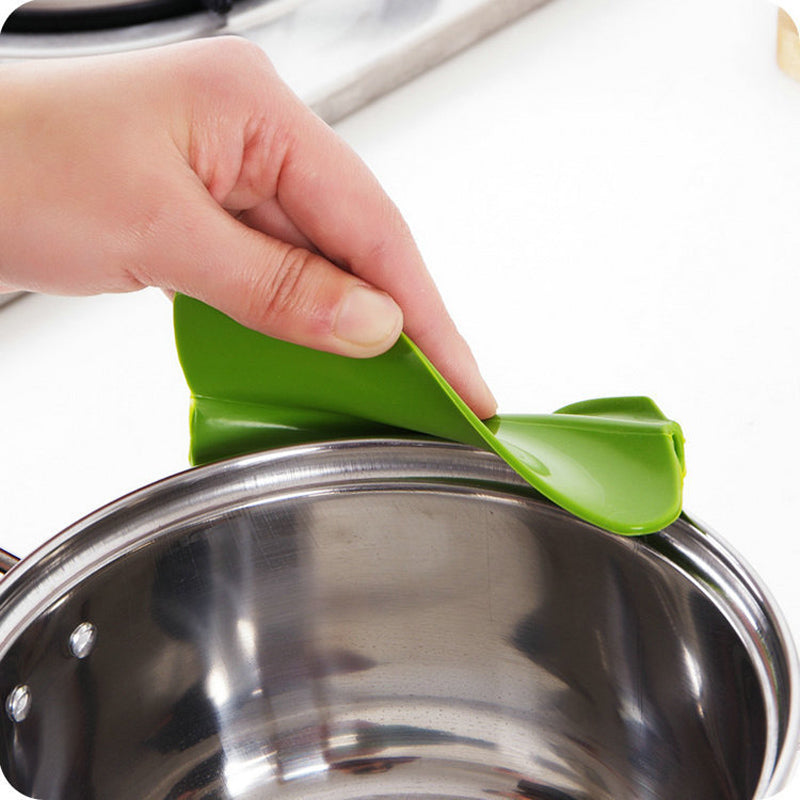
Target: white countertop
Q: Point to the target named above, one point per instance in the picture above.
(607, 194)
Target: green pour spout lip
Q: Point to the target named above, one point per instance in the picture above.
(617, 462)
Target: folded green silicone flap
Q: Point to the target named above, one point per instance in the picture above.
(617, 463)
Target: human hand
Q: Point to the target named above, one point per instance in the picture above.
(195, 169)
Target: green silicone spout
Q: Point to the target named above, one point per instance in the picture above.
(617, 463)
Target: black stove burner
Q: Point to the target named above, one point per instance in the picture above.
(89, 17)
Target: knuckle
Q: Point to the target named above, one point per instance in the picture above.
(224, 68)
(395, 236)
(235, 55)
(282, 289)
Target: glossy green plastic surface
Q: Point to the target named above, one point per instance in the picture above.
(616, 462)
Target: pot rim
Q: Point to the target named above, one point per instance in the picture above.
(40, 579)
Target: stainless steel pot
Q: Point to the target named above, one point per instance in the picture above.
(397, 620)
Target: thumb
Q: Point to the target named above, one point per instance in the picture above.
(278, 288)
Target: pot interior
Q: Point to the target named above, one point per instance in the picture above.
(400, 640)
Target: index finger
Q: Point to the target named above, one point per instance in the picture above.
(334, 200)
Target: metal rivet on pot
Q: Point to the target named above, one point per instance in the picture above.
(18, 703)
(82, 639)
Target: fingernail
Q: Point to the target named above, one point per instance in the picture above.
(368, 318)
(487, 406)
(482, 390)
(478, 395)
